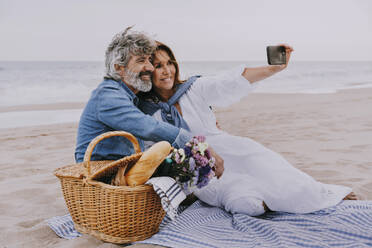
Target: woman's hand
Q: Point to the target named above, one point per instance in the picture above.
(259, 73)
(218, 166)
(288, 51)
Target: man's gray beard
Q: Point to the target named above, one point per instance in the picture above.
(133, 79)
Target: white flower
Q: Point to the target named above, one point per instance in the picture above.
(181, 152)
(202, 148)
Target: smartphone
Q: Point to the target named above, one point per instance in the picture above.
(276, 55)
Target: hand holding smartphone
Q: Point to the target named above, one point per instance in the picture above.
(276, 55)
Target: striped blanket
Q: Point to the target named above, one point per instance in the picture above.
(348, 224)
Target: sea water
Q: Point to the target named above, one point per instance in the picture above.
(27, 83)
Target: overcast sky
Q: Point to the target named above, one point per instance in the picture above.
(195, 29)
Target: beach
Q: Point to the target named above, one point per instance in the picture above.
(328, 136)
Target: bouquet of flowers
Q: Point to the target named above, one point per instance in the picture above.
(192, 166)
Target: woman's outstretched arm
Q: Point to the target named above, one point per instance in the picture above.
(259, 73)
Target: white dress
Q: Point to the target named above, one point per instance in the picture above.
(252, 173)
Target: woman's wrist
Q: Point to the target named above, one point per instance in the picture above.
(260, 73)
(275, 69)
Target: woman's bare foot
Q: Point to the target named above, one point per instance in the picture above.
(351, 196)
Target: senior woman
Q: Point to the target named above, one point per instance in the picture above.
(254, 176)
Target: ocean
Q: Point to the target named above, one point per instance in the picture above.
(27, 83)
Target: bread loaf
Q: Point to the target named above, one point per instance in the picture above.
(119, 178)
(147, 164)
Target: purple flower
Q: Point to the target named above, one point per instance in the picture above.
(187, 151)
(207, 153)
(195, 149)
(200, 138)
(177, 158)
(196, 156)
(211, 174)
(193, 181)
(203, 171)
(203, 182)
(192, 164)
(202, 161)
(205, 161)
(196, 174)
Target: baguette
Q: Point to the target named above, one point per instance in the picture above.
(148, 163)
(119, 179)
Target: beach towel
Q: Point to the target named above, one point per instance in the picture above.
(349, 224)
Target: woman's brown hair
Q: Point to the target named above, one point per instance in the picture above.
(162, 47)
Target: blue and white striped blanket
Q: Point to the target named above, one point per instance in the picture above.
(63, 226)
(348, 224)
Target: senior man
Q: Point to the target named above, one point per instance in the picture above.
(112, 105)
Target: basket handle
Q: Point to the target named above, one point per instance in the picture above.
(106, 135)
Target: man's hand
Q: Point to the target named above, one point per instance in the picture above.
(218, 167)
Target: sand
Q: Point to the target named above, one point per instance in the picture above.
(329, 136)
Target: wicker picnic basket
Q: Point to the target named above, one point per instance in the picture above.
(116, 214)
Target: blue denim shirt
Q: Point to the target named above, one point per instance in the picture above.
(112, 107)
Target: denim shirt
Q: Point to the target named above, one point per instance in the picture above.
(112, 107)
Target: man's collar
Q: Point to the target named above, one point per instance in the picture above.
(133, 96)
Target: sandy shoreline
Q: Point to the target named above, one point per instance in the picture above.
(329, 136)
(38, 107)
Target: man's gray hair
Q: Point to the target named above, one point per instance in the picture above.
(123, 46)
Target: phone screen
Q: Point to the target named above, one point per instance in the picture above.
(276, 55)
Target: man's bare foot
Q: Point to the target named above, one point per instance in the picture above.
(351, 196)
